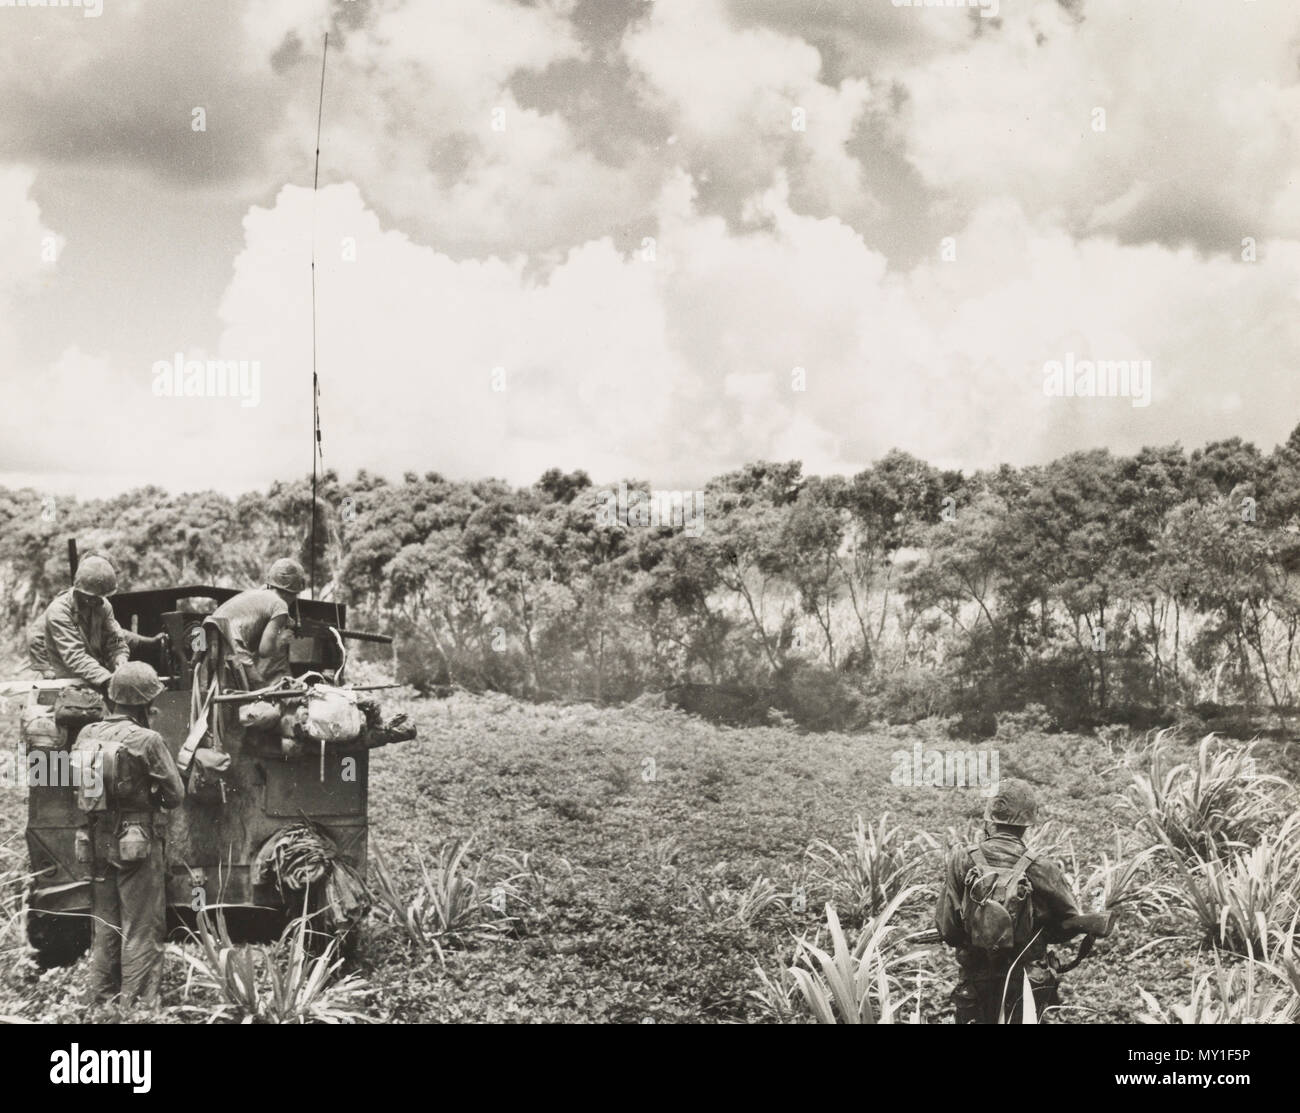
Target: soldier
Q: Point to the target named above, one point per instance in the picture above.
(129, 872)
(77, 636)
(260, 623)
(988, 974)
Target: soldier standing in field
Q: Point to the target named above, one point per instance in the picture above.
(128, 894)
(1000, 907)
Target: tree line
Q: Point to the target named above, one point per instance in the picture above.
(1097, 587)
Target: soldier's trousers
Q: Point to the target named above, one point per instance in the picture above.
(978, 998)
(129, 904)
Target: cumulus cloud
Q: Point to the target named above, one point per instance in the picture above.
(26, 247)
(748, 101)
(679, 365)
(1199, 105)
(617, 362)
(421, 114)
(418, 110)
(518, 248)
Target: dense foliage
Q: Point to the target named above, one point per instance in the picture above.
(1097, 586)
(632, 864)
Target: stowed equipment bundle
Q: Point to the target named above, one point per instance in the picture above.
(301, 716)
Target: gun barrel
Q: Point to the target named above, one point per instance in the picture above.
(312, 627)
(291, 693)
(1092, 923)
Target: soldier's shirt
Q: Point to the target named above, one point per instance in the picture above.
(87, 641)
(248, 613)
(1053, 900)
(78, 637)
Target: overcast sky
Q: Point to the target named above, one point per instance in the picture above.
(613, 203)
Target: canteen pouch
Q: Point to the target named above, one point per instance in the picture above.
(76, 706)
(134, 843)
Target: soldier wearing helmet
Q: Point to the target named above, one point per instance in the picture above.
(260, 623)
(986, 982)
(77, 636)
(128, 896)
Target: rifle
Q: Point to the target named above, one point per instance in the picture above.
(1094, 926)
(291, 693)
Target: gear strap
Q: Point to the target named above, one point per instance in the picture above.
(1017, 871)
(1085, 949)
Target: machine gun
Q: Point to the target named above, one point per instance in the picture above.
(311, 627)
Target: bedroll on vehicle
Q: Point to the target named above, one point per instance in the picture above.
(38, 729)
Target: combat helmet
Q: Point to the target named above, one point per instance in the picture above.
(1014, 804)
(287, 574)
(134, 684)
(95, 576)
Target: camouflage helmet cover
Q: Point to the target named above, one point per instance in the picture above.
(287, 575)
(95, 576)
(134, 683)
(1013, 804)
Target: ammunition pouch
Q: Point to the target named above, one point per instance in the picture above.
(208, 773)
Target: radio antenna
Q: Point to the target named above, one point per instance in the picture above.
(315, 381)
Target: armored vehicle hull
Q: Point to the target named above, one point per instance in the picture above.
(212, 847)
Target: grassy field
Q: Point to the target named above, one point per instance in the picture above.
(637, 865)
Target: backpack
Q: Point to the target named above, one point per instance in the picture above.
(996, 908)
(108, 775)
(208, 774)
(76, 706)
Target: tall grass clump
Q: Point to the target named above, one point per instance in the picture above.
(860, 983)
(14, 878)
(282, 984)
(1216, 803)
(1240, 900)
(743, 909)
(1127, 883)
(1248, 992)
(880, 862)
(453, 903)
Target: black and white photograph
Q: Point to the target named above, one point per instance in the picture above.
(651, 512)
